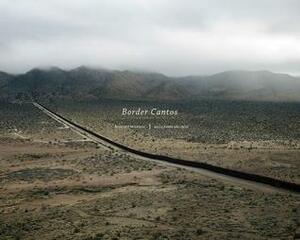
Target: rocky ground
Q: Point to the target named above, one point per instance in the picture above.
(59, 192)
(261, 138)
(74, 189)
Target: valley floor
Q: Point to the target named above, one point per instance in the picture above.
(83, 192)
(66, 187)
(228, 140)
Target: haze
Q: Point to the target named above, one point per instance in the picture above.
(190, 37)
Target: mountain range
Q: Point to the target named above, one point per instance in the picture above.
(91, 83)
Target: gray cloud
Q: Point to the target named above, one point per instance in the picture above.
(171, 36)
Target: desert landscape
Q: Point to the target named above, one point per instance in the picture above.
(255, 137)
(149, 120)
(57, 184)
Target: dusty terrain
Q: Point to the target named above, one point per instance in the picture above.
(59, 192)
(245, 136)
(74, 189)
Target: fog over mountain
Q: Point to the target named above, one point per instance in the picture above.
(92, 83)
(173, 37)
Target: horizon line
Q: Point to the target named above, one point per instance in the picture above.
(45, 68)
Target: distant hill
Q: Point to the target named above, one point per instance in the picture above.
(4, 80)
(89, 83)
(247, 85)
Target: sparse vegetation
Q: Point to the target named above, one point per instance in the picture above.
(81, 191)
(258, 137)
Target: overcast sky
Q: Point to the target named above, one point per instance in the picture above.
(175, 37)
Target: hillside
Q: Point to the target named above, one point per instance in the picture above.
(246, 85)
(4, 80)
(88, 83)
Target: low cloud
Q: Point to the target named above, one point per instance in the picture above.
(170, 36)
